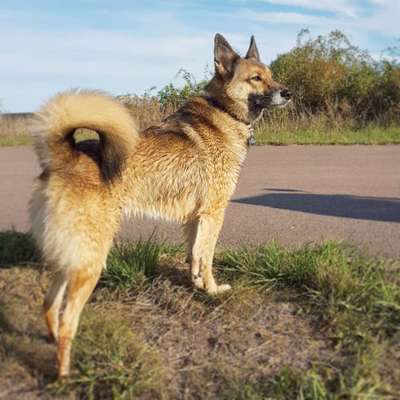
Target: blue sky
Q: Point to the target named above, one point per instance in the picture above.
(129, 46)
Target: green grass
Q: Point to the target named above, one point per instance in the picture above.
(27, 140)
(112, 362)
(131, 264)
(16, 248)
(355, 299)
(15, 140)
(147, 334)
(363, 136)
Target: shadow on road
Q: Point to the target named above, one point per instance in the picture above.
(337, 205)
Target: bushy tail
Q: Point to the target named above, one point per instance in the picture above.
(56, 122)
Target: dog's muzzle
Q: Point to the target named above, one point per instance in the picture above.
(273, 98)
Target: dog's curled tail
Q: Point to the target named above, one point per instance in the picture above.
(55, 124)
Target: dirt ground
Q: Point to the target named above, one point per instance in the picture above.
(203, 344)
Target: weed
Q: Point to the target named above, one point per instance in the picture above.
(130, 265)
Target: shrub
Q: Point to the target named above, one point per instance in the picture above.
(330, 75)
(337, 87)
(170, 95)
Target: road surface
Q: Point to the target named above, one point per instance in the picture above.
(293, 194)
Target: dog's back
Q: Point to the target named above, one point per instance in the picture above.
(185, 166)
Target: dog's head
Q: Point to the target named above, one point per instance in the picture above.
(245, 83)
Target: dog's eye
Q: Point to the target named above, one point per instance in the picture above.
(256, 78)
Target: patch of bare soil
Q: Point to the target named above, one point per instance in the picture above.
(207, 345)
(26, 360)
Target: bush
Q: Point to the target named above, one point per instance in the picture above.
(330, 75)
(170, 95)
(337, 87)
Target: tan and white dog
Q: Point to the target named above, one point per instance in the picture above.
(184, 170)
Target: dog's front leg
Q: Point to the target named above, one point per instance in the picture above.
(205, 235)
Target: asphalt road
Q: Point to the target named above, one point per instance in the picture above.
(293, 194)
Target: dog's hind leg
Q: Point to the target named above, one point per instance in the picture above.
(190, 230)
(80, 286)
(52, 304)
(208, 228)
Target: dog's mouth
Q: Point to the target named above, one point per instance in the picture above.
(273, 99)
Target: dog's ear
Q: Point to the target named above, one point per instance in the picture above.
(252, 52)
(225, 58)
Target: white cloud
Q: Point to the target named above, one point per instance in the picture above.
(345, 7)
(374, 16)
(377, 19)
(44, 63)
(378, 2)
(37, 60)
(385, 19)
(286, 18)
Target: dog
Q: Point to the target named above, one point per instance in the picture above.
(183, 170)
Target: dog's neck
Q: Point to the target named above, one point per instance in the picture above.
(251, 140)
(226, 109)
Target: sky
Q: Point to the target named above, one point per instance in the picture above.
(129, 46)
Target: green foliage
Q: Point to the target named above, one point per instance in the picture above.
(334, 82)
(329, 74)
(170, 95)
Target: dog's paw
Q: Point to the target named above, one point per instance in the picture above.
(198, 281)
(217, 289)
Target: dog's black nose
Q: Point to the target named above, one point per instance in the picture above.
(286, 94)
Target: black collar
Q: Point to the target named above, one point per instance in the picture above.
(251, 140)
(215, 103)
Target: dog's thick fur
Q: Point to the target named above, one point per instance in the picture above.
(184, 170)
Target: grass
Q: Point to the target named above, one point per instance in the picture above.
(16, 248)
(15, 140)
(319, 322)
(326, 137)
(355, 299)
(280, 128)
(27, 140)
(14, 129)
(112, 362)
(131, 264)
(374, 135)
(367, 137)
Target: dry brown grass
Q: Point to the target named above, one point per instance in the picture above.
(14, 129)
(15, 124)
(287, 126)
(147, 111)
